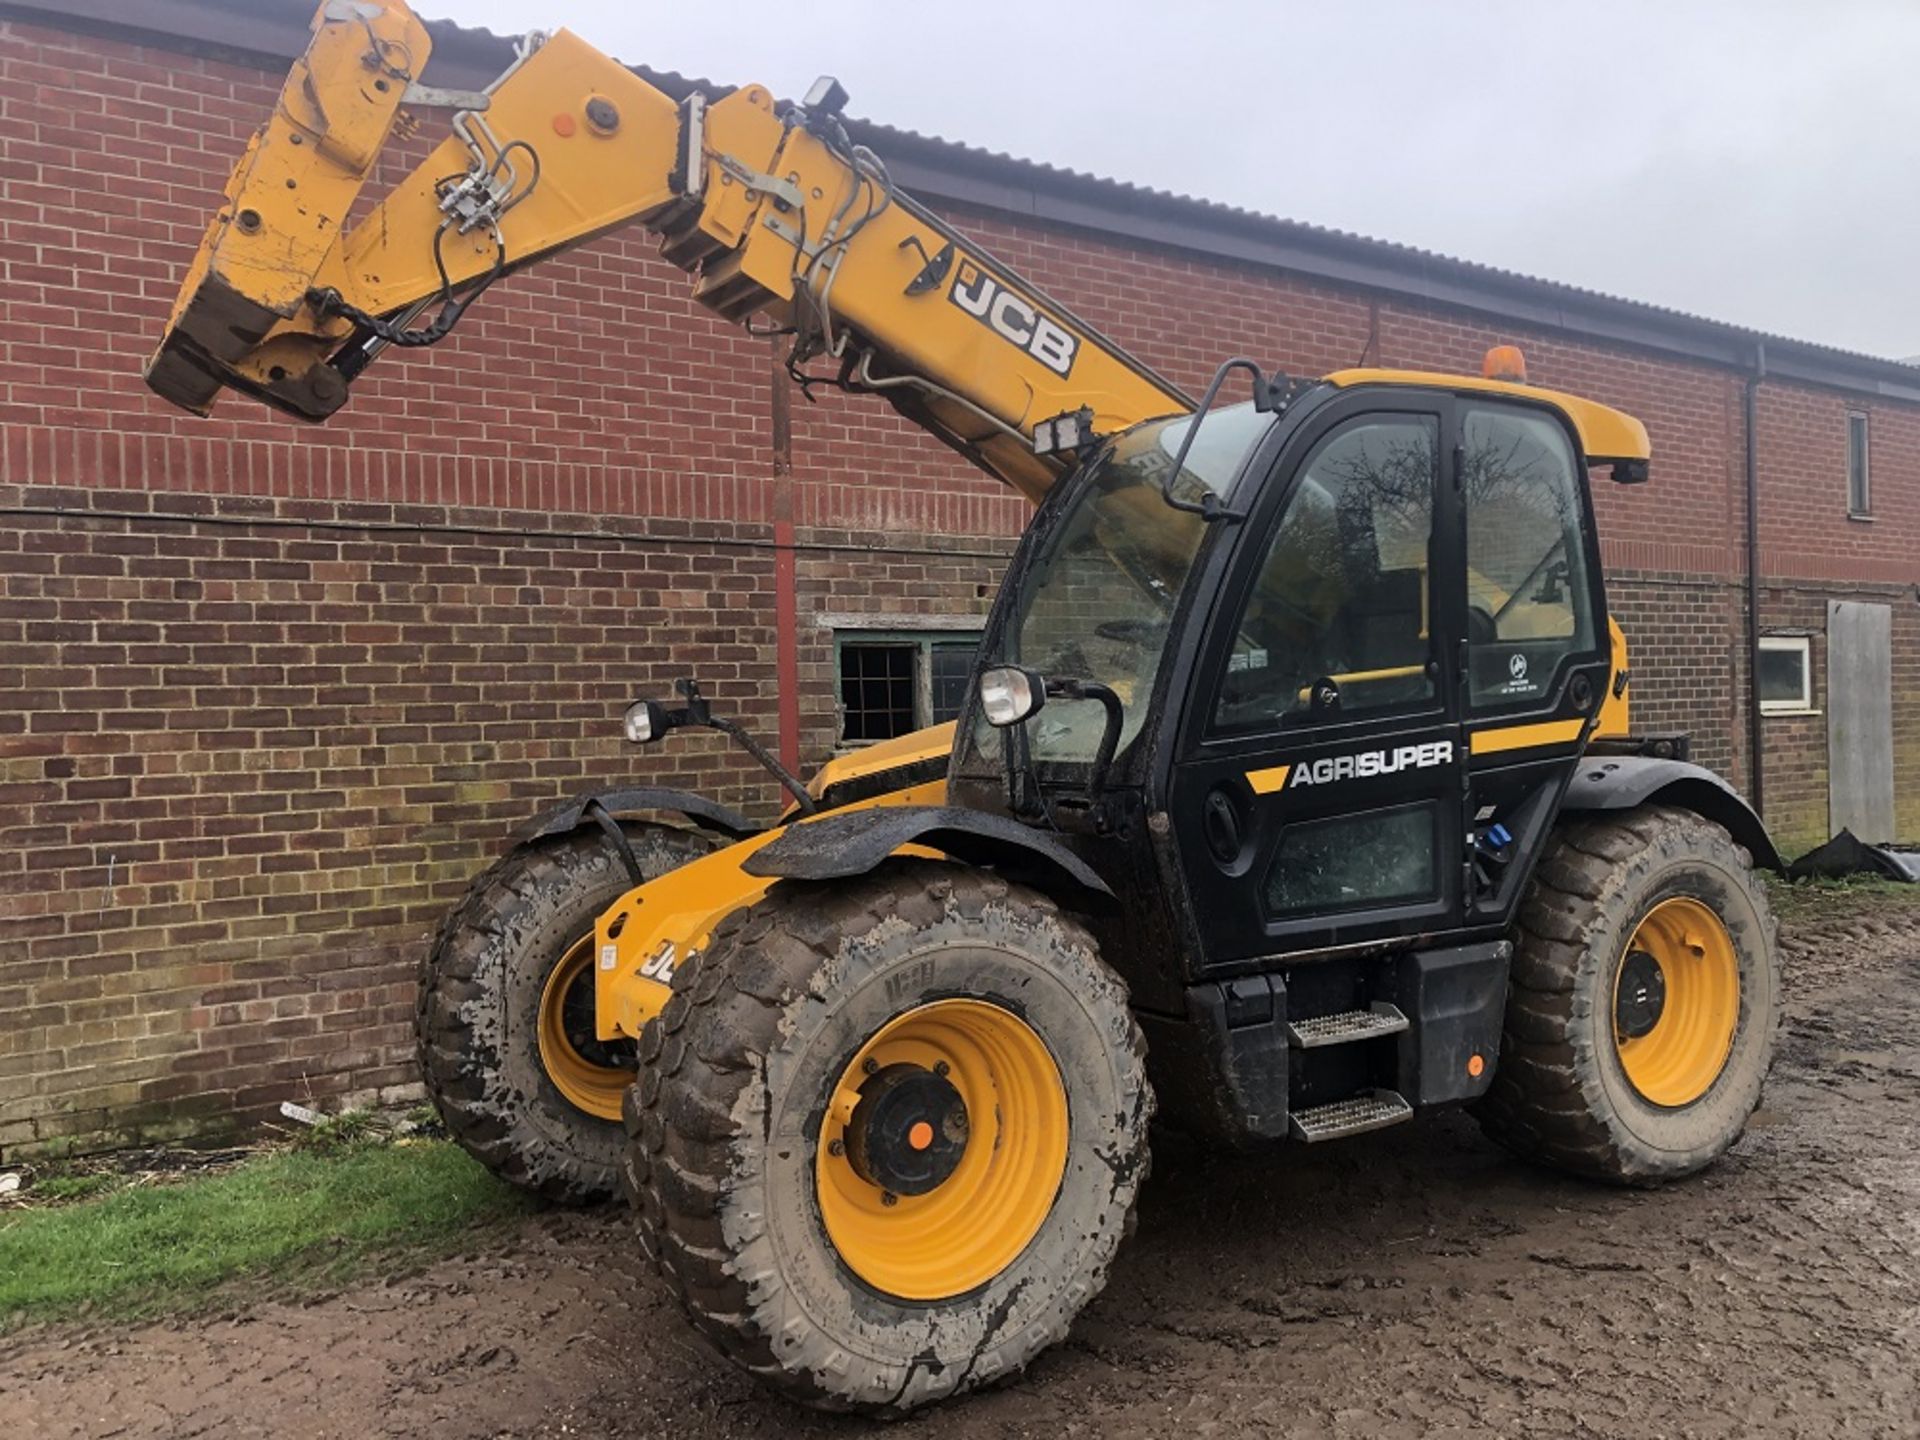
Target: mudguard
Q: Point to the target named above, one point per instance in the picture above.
(855, 842)
(701, 811)
(1620, 783)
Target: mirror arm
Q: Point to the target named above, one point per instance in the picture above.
(1109, 734)
(699, 712)
(1269, 397)
(789, 782)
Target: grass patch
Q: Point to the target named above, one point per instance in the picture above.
(1823, 899)
(61, 1188)
(337, 1134)
(293, 1219)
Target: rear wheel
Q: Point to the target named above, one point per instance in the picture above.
(505, 1014)
(1645, 997)
(888, 1135)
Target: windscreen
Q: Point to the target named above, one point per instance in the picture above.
(1096, 601)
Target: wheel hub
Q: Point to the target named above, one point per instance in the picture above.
(590, 1073)
(909, 1131)
(943, 1144)
(1676, 1002)
(1641, 996)
(577, 1023)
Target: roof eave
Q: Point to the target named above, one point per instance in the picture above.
(273, 32)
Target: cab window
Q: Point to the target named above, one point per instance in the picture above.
(1337, 620)
(1529, 603)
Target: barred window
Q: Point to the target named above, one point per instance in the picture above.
(892, 683)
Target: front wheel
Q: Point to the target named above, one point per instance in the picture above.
(888, 1134)
(1645, 996)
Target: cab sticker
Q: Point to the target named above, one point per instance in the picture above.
(1360, 765)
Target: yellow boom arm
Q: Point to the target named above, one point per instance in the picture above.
(776, 215)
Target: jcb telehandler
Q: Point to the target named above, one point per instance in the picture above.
(1295, 772)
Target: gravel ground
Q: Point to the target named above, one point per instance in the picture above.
(1412, 1283)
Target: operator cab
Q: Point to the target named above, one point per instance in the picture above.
(1349, 701)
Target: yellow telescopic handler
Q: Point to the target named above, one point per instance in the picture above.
(1295, 786)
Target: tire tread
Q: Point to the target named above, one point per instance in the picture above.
(711, 1049)
(1547, 1101)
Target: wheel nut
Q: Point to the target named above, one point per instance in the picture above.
(940, 1068)
(836, 1147)
(887, 1197)
(869, 1065)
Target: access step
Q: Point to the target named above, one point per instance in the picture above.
(1355, 1115)
(1346, 1027)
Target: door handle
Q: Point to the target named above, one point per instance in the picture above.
(1220, 823)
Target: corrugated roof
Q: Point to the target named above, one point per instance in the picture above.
(934, 168)
(1054, 175)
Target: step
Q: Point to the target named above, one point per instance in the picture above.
(1355, 1115)
(1346, 1027)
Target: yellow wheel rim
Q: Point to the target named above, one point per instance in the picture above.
(974, 1223)
(1674, 1045)
(587, 1083)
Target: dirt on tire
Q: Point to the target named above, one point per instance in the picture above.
(478, 1007)
(734, 1077)
(1420, 1281)
(1559, 1095)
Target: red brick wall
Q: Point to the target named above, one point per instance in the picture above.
(269, 693)
(1805, 531)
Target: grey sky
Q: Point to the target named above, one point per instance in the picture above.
(1747, 160)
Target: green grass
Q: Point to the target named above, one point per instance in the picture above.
(337, 1134)
(56, 1188)
(285, 1221)
(1824, 900)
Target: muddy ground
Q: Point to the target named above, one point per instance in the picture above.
(1416, 1282)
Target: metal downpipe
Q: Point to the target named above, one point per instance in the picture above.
(1756, 761)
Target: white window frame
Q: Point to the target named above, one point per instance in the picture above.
(1864, 510)
(1802, 646)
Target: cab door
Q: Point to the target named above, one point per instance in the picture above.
(1318, 794)
(1536, 653)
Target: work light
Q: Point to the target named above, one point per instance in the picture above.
(1009, 694)
(644, 723)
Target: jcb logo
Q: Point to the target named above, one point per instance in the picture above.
(1013, 319)
(661, 966)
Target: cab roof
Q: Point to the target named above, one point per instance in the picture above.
(1606, 434)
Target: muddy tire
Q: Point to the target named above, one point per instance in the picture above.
(733, 1170)
(1571, 1090)
(477, 1017)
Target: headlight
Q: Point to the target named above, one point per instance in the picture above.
(1009, 695)
(644, 722)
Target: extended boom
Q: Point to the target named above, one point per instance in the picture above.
(775, 211)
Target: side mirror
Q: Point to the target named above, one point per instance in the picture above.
(646, 721)
(1010, 694)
